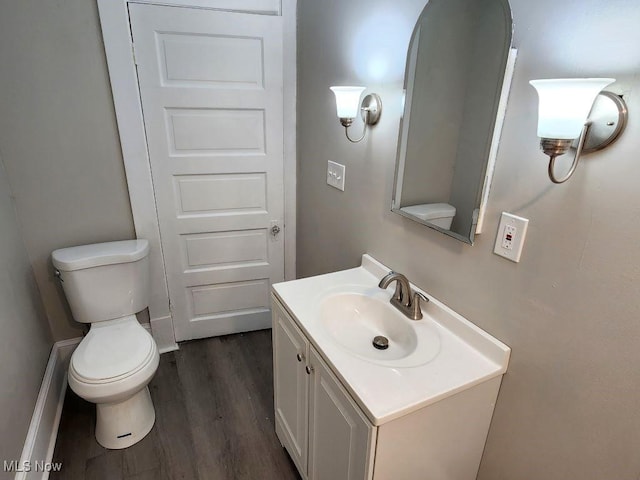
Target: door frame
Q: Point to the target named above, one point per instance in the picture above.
(118, 45)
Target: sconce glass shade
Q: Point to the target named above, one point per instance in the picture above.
(347, 100)
(565, 103)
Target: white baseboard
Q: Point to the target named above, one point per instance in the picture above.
(162, 331)
(43, 429)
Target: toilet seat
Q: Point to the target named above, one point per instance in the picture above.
(116, 390)
(116, 359)
(112, 351)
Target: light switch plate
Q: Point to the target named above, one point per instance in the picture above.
(511, 234)
(335, 175)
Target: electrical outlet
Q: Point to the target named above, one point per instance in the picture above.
(335, 175)
(511, 234)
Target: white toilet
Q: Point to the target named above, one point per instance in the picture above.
(106, 284)
(439, 214)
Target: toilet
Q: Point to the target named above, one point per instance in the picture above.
(106, 284)
(439, 214)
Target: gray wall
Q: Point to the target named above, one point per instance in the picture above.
(568, 407)
(58, 137)
(25, 338)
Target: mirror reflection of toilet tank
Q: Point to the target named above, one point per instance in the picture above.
(439, 214)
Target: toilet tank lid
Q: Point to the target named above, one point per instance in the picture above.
(99, 254)
(430, 211)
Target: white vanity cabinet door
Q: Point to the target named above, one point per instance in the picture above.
(341, 439)
(291, 385)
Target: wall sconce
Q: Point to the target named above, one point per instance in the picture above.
(571, 108)
(348, 104)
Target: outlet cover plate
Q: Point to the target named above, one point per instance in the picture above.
(511, 234)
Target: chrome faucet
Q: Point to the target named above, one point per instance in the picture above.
(404, 299)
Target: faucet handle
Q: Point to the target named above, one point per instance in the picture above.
(420, 295)
(416, 312)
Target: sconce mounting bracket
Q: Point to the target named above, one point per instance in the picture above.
(371, 109)
(607, 120)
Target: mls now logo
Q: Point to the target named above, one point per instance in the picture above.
(27, 466)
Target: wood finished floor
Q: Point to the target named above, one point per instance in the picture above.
(214, 420)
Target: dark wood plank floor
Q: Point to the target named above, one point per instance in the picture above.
(214, 420)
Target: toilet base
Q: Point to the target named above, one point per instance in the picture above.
(120, 425)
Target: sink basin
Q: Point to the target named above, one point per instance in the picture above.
(427, 360)
(354, 319)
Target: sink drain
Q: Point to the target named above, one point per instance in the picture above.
(380, 342)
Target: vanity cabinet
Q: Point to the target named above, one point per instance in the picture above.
(322, 428)
(340, 436)
(291, 386)
(330, 433)
(420, 409)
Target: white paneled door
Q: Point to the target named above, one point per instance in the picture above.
(211, 90)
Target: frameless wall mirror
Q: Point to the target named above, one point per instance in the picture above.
(458, 72)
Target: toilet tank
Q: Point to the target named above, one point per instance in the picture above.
(104, 281)
(439, 214)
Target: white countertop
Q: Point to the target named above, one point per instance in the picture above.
(467, 356)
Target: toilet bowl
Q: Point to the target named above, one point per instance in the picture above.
(112, 367)
(106, 284)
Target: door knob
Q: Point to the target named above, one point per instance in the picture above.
(308, 369)
(275, 230)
